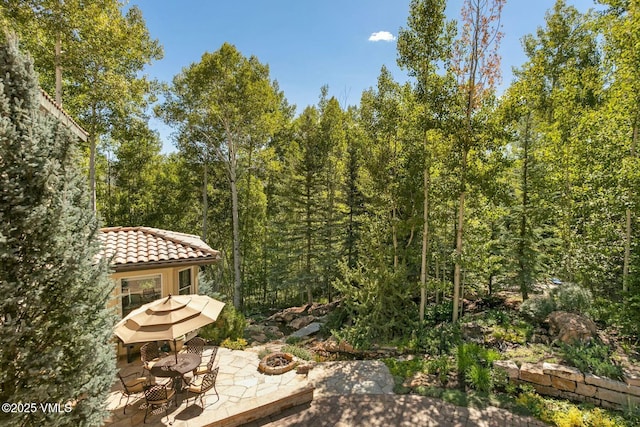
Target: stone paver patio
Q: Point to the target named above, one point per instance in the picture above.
(240, 386)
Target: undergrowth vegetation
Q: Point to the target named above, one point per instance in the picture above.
(592, 357)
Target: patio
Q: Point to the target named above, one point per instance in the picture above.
(245, 395)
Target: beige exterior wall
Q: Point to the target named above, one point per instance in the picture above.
(169, 280)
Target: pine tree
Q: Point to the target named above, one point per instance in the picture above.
(55, 329)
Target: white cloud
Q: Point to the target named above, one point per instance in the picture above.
(382, 36)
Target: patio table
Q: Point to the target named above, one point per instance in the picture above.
(168, 367)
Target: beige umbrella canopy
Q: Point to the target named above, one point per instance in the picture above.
(168, 318)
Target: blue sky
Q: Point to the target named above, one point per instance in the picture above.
(309, 43)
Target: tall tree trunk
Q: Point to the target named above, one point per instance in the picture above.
(437, 291)
(205, 199)
(58, 66)
(568, 206)
(92, 169)
(524, 285)
(425, 242)
(330, 231)
(458, 267)
(308, 236)
(394, 235)
(237, 286)
(628, 230)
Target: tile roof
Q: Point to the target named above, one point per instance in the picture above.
(145, 247)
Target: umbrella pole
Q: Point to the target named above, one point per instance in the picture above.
(175, 349)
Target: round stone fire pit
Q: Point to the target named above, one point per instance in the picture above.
(276, 363)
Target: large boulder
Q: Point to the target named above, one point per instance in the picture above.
(570, 327)
(288, 314)
(300, 322)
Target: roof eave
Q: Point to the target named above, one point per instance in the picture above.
(186, 262)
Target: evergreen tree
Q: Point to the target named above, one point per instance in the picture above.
(55, 329)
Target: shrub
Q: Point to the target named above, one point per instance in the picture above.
(299, 352)
(572, 418)
(438, 340)
(238, 344)
(538, 308)
(591, 357)
(480, 378)
(230, 325)
(533, 404)
(474, 366)
(438, 313)
(405, 368)
(573, 298)
(440, 367)
(293, 340)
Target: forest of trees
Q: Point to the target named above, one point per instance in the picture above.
(425, 193)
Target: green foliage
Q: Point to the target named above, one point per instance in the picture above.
(480, 378)
(568, 297)
(234, 344)
(405, 368)
(534, 404)
(377, 298)
(474, 364)
(438, 313)
(438, 340)
(592, 357)
(229, 326)
(573, 298)
(624, 315)
(55, 329)
(562, 413)
(299, 352)
(293, 340)
(538, 307)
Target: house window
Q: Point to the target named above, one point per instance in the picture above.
(139, 290)
(184, 282)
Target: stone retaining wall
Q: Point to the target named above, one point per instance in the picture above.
(569, 383)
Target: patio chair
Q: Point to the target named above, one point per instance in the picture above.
(158, 396)
(131, 387)
(205, 368)
(149, 354)
(201, 385)
(195, 345)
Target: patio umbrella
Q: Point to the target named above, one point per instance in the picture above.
(168, 318)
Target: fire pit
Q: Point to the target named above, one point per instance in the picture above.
(276, 363)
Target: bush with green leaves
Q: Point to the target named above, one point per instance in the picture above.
(624, 315)
(299, 352)
(538, 307)
(474, 364)
(438, 340)
(229, 325)
(592, 357)
(376, 296)
(438, 313)
(573, 298)
(237, 344)
(567, 297)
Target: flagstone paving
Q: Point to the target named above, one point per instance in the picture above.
(350, 393)
(239, 384)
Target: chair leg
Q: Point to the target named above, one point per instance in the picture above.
(124, 411)
(145, 414)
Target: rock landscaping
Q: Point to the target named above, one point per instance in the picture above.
(556, 380)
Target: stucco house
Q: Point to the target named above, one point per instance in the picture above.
(150, 263)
